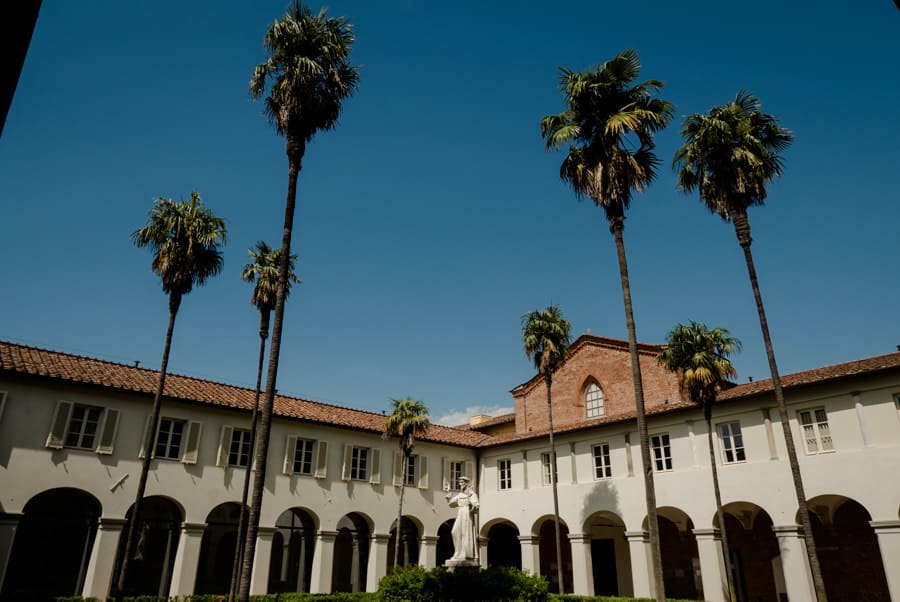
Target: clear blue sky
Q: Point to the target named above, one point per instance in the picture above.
(432, 218)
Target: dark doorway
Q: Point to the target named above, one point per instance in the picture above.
(409, 544)
(351, 554)
(603, 562)
(503, 547)
(548, 556)
(290, 567)
(150, 570)
(217, 549)
(445, 543)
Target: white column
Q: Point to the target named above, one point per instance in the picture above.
(482, 552)
(582, 566)
(259, 576)
(378, 561)
(695, 458)
(323, 559)
(187, 559)
(794, 564)
(531, 554)
(888, 533)
(99, 574)
(8, 525)
(639, 546)
(861, 418)
(428, 552)
(712, 565)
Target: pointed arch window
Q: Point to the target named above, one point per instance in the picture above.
(593, 400)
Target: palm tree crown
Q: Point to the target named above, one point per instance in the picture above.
(701, 356)
(308, 64)
(408, 420)
(731, 154)
(545, 334)
(263, 271)
(185, 238)
(609, 123)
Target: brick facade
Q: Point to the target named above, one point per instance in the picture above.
(599, 359)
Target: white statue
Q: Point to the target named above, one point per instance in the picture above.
(463, 531)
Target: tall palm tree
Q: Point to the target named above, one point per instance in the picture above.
(545, 334)
(700, 356)
(263, 271)
(730, 155)
(305, 79)
(185, 238)
(609, 124)
(408, 420)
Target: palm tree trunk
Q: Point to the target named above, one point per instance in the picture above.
(242, 522)
(720, 514)
(742, 229)
(131, 540)
(559, 559)
(403, 464)
(295, 150)
(616, 225)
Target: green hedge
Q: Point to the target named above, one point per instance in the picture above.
(415, 584)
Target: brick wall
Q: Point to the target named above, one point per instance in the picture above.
(607, 362)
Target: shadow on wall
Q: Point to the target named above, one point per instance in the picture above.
(604, 497)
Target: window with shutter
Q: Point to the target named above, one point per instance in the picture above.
(816, 431)
(169, 437)
(224, 446)
(57, 435)
(192, 445)
(108, 431)
(303, 456)
(398, 469)
(375, 469)
(321, 459)
(423, 472)
(3, 396)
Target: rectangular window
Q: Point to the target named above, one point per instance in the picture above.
(662, 452)
(411, 477)
(504, 474)
(82, 430)
(457, 470)
(239, 450)
(602, 467)
(359, 463)
(732, 442)
(545, 469)
(168, 438)
(816, 432)
(303, 456)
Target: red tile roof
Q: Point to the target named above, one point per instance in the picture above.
(54, 365)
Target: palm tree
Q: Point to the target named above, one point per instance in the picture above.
(263, 271)
(700, 356)
(185, 238)
(729, 156)
(609, 124)
(305, 79)
(545, 334)
(408, 420)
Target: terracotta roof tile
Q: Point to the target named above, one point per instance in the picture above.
(32, 361)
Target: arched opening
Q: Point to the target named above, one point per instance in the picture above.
(150, 569)
(610, 556)
(848, 550)
(549, 562)
(290, 566)
(503, 547)
(755, 556)
(680, 559)
(351, 554)
(409, 543)
(52, 546)
(217, 549)
(593, 398)
(445, 542)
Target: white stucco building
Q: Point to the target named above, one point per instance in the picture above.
(71, 441)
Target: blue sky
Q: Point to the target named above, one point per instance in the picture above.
(432, 218)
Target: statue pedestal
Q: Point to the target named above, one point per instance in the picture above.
(467, 563)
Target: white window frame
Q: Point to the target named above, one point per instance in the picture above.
(504, 474)
(241, 438)
(411, 478)
(731, 442)
(299, 445)
(189, 448)
(546, 458)
(170, 451)
(815, 429)
(416, 471)
(602, 463)
(359, 463)
(453, 469)
(104, 436)
(594, 400)
(661, 448)
(304, 460)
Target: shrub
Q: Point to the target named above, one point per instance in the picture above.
(415, 584)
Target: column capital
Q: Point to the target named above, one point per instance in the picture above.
(529, 539)
(10, 518)
(885, 526)
(430, 539)
(787, 530)
(266, 531)
(326, 535)
(381, 537)
(193, 527)
(584, 538)
(707, 534)
(112, 524)
(637, 535)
